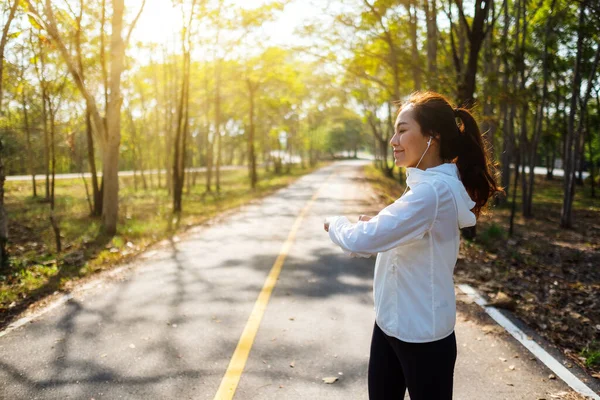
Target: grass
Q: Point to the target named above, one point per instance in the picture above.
(591, 353)
(145, 217)
(491, 235)
(388, 189)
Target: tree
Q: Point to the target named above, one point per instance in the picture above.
(475, 34)
(3, 216)
(182, 130)
(569, 186)
(107, 128)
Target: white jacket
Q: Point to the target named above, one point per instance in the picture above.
(416, 239)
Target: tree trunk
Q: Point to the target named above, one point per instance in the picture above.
(96, 189)
(53, 219)
(514, 198)
(539, 117)
(591, 150)
(476, 32)
(180, 138)
(251, 156)
(507, 150)
(489, 124)
(46, 142)
(3, 216)
(134, 143)
(41, 78)
(217, 137)
(30, 160)
(3, 41)
(140, 158)
(572, 139)
(110, 202)
(581, 158)
(168, 84)
(430, 7)
(411, 8)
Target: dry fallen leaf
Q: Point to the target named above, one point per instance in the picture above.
(293, 364)
(502, 300)
(492, 329)
(551, 376)
(511, 367)
(502, 359)
(330, 379)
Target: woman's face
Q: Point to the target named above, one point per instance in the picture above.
(408, 142)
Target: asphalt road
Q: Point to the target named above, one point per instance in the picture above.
(166, 326)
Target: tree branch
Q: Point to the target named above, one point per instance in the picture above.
(386, 32)
(50, 26)
(463, 18)
(457, 62)
(135, 20)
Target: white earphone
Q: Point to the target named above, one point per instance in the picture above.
(428, 144)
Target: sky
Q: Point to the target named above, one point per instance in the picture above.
(159, 19)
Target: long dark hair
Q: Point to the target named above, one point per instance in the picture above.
(461, 142)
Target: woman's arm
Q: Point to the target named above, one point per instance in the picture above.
(361, 218)
(407, 219)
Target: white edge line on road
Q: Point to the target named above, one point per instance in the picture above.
(556, 367)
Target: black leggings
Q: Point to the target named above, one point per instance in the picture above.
(427, 369)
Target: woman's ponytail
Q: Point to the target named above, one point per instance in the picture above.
(474, 162)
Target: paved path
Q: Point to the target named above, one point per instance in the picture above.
(166, 326)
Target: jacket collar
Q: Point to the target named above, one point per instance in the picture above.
(448, 172)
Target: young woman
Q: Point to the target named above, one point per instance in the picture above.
(416, 240)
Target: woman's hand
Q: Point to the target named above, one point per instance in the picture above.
(326, 226)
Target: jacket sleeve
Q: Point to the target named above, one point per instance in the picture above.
(403, 221)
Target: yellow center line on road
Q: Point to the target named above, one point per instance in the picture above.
(240, 355)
